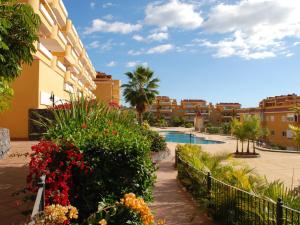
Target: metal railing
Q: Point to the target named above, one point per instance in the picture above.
(39, 204)
(231, 205)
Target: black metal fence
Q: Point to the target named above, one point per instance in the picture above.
(231, 205)
(39, 203)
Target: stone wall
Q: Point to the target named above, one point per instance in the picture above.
(4, 141)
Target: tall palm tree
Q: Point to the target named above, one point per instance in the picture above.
(236, 130)
(141, 89)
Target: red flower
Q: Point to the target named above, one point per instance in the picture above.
(114, 132)
(57, 163)
(84, 126)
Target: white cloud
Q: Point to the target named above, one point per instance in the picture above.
(107, 5)
(99, 25)
(111, 64)
(138, 38)
(108, 17)
(136, 63)
(254, 29)
(296, 43)
(160, 49)
(92, 5)
(157, 36)
(135, 53)
(105, 46)
(173, 14)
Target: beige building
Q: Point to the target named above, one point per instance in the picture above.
(276, 114)
(61, 67)
(107, 90)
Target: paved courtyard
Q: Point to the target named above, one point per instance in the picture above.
(274, 165)
(13, 172)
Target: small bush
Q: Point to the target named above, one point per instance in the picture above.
(158, 143)
(188, 125)
(213, 130)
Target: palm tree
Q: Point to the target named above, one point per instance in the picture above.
(141, 89)
(236, 130)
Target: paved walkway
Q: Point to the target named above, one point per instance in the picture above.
(13, 172)
(172, 202)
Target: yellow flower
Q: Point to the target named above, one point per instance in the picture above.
(103, 222)
(73, 212)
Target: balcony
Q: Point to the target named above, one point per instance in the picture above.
(61, 67)
(55, 42)
(59, 10)
(71, 33)
(70, 56)
(43, 53)
(44, 12)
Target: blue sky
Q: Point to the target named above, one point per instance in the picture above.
(220, 51)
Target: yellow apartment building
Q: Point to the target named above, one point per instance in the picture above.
(107, 90)
(189, 107)
(276, 115)
(61, 67)
(163, 107)
(227, 111)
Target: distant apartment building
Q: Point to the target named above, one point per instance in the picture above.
(276, 115)
(228, 111)
(163, 107)
(107, 90)
(61, 67)
(190, 107)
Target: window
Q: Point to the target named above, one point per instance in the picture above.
(272, 118)
(283, 133)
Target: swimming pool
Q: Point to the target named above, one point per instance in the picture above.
(179, 137)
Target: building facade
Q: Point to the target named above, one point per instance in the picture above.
(61, 67)
(163, 107)
(107, 90)
(276, 114)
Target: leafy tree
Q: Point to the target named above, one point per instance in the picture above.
(177, 121)
(6, 94)
(18, 32)
(141, 89)
(226, 128)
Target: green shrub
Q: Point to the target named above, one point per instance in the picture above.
(177, 121)
(158, 143)
(113, 146)
(226, 128)
(188, 125)
(213, 130)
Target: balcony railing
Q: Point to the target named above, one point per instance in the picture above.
(45, 51)
(61, 66)
(59, 10)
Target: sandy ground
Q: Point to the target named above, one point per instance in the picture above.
(13, 172)
(273, 165)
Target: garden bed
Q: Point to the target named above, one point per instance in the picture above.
(246, 155)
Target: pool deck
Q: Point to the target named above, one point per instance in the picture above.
(273, 165)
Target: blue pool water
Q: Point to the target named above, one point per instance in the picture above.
(174, 136)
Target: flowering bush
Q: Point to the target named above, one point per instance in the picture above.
(58, 163)
(57, 215)
(129, 210)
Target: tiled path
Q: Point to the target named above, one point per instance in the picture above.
(172, 202)
(13, 172)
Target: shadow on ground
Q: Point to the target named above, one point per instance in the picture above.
(12, 206)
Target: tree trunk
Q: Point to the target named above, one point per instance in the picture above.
(254, 147)
(140, 117)
(242, 146)
(248, 147)
(237, 146)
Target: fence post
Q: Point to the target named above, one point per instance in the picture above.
(209, 185)
(279, 212)
(41, 184)
(176, 157)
